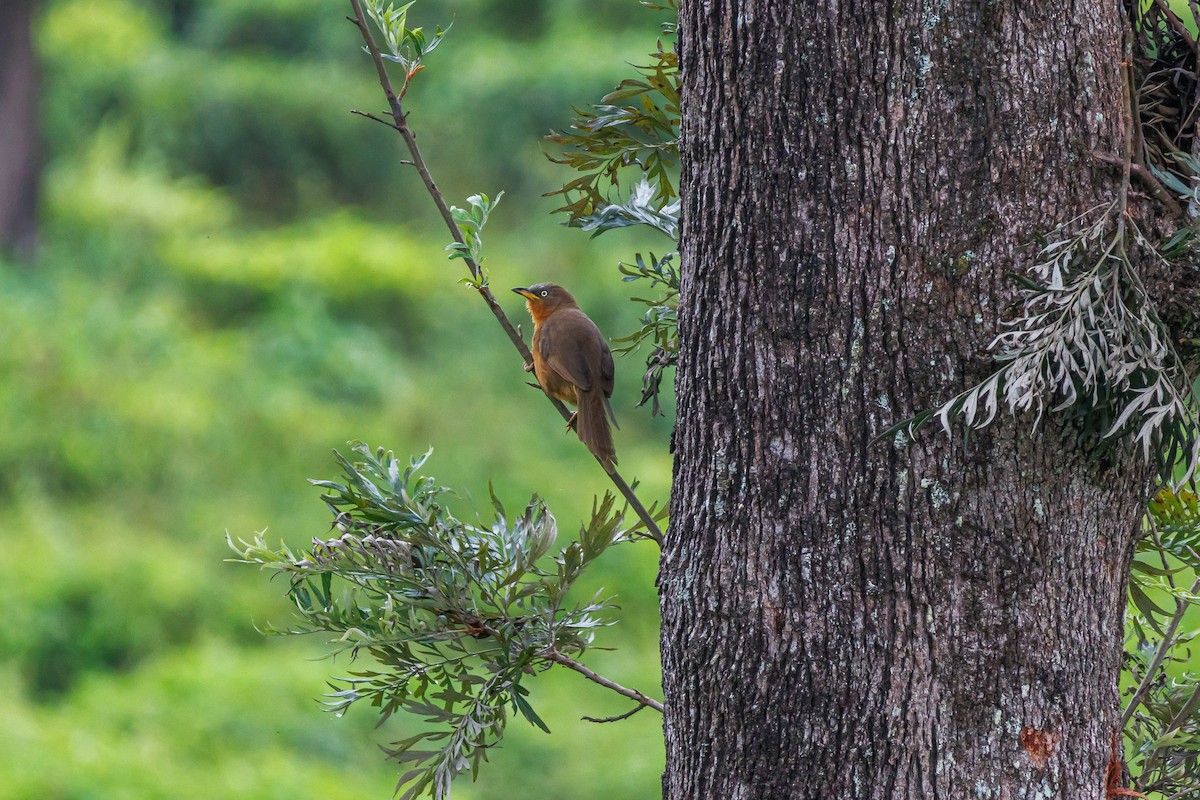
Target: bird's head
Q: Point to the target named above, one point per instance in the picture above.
(542, 299)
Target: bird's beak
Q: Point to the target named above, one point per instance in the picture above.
(521, 290)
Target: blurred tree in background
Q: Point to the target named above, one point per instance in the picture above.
(19, 135)
(222, 296)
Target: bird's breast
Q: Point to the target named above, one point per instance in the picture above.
(552, 383)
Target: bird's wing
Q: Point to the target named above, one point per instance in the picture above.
(563, 347)
(607, 369)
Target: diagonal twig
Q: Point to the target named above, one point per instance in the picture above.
(1160, 654)
(552, 654)
(410, 141)
(618, 717)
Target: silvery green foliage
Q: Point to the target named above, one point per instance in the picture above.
(659, 323)
(457, 616)
(1086, 340)
(642, 208)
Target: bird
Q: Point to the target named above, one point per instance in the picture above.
(573, 363)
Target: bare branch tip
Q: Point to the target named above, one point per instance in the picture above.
(618, 717)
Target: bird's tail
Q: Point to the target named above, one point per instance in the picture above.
(592, 426)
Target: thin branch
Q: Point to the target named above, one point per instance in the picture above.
(378, 119)
(618, 717)
(1146, 176)
(410, 140)
(1127, 123)
(1178, 25)
(1160, 654)
(558, 658)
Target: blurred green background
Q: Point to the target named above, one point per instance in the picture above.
(234, 277)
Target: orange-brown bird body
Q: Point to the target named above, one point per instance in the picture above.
(572, 362)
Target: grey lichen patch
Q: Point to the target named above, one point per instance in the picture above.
(938, 496)
(856, 343)
(945, 763)
(932, 12)
(782, 448)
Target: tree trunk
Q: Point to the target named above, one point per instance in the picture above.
(19, 145)
(849, 620)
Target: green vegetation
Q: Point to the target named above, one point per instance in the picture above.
(236, 277)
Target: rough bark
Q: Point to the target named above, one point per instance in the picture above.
(849, 620)
(19, 139)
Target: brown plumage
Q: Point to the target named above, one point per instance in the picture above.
(573, 363)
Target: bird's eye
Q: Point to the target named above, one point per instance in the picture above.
(545, 293)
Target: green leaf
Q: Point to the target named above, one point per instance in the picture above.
(527, 711)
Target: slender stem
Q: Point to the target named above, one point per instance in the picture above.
(1127, 123)
(558, 658)
(1146, 176)
(1162, 553)
(618, 717)
(1160, 654)
(410, 140)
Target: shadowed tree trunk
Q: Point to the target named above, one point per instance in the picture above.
(848, 620)
(19, 146)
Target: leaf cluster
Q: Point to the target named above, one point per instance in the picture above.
(457, 616)
(405, 46)
(1086, 342)
(644, 207)
(1162, 718)
(635, 125)
(659, 324)
(470, 222)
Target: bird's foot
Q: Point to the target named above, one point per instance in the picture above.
(571, 421)
(528, 367)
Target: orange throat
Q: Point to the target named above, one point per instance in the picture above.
(537, 311)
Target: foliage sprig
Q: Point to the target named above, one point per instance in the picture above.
(1087, 343)
(659, 324)
(470, 222)
(461, 224)
(456, 615)
(635, 125)
(405, 46)
(1162, 714)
